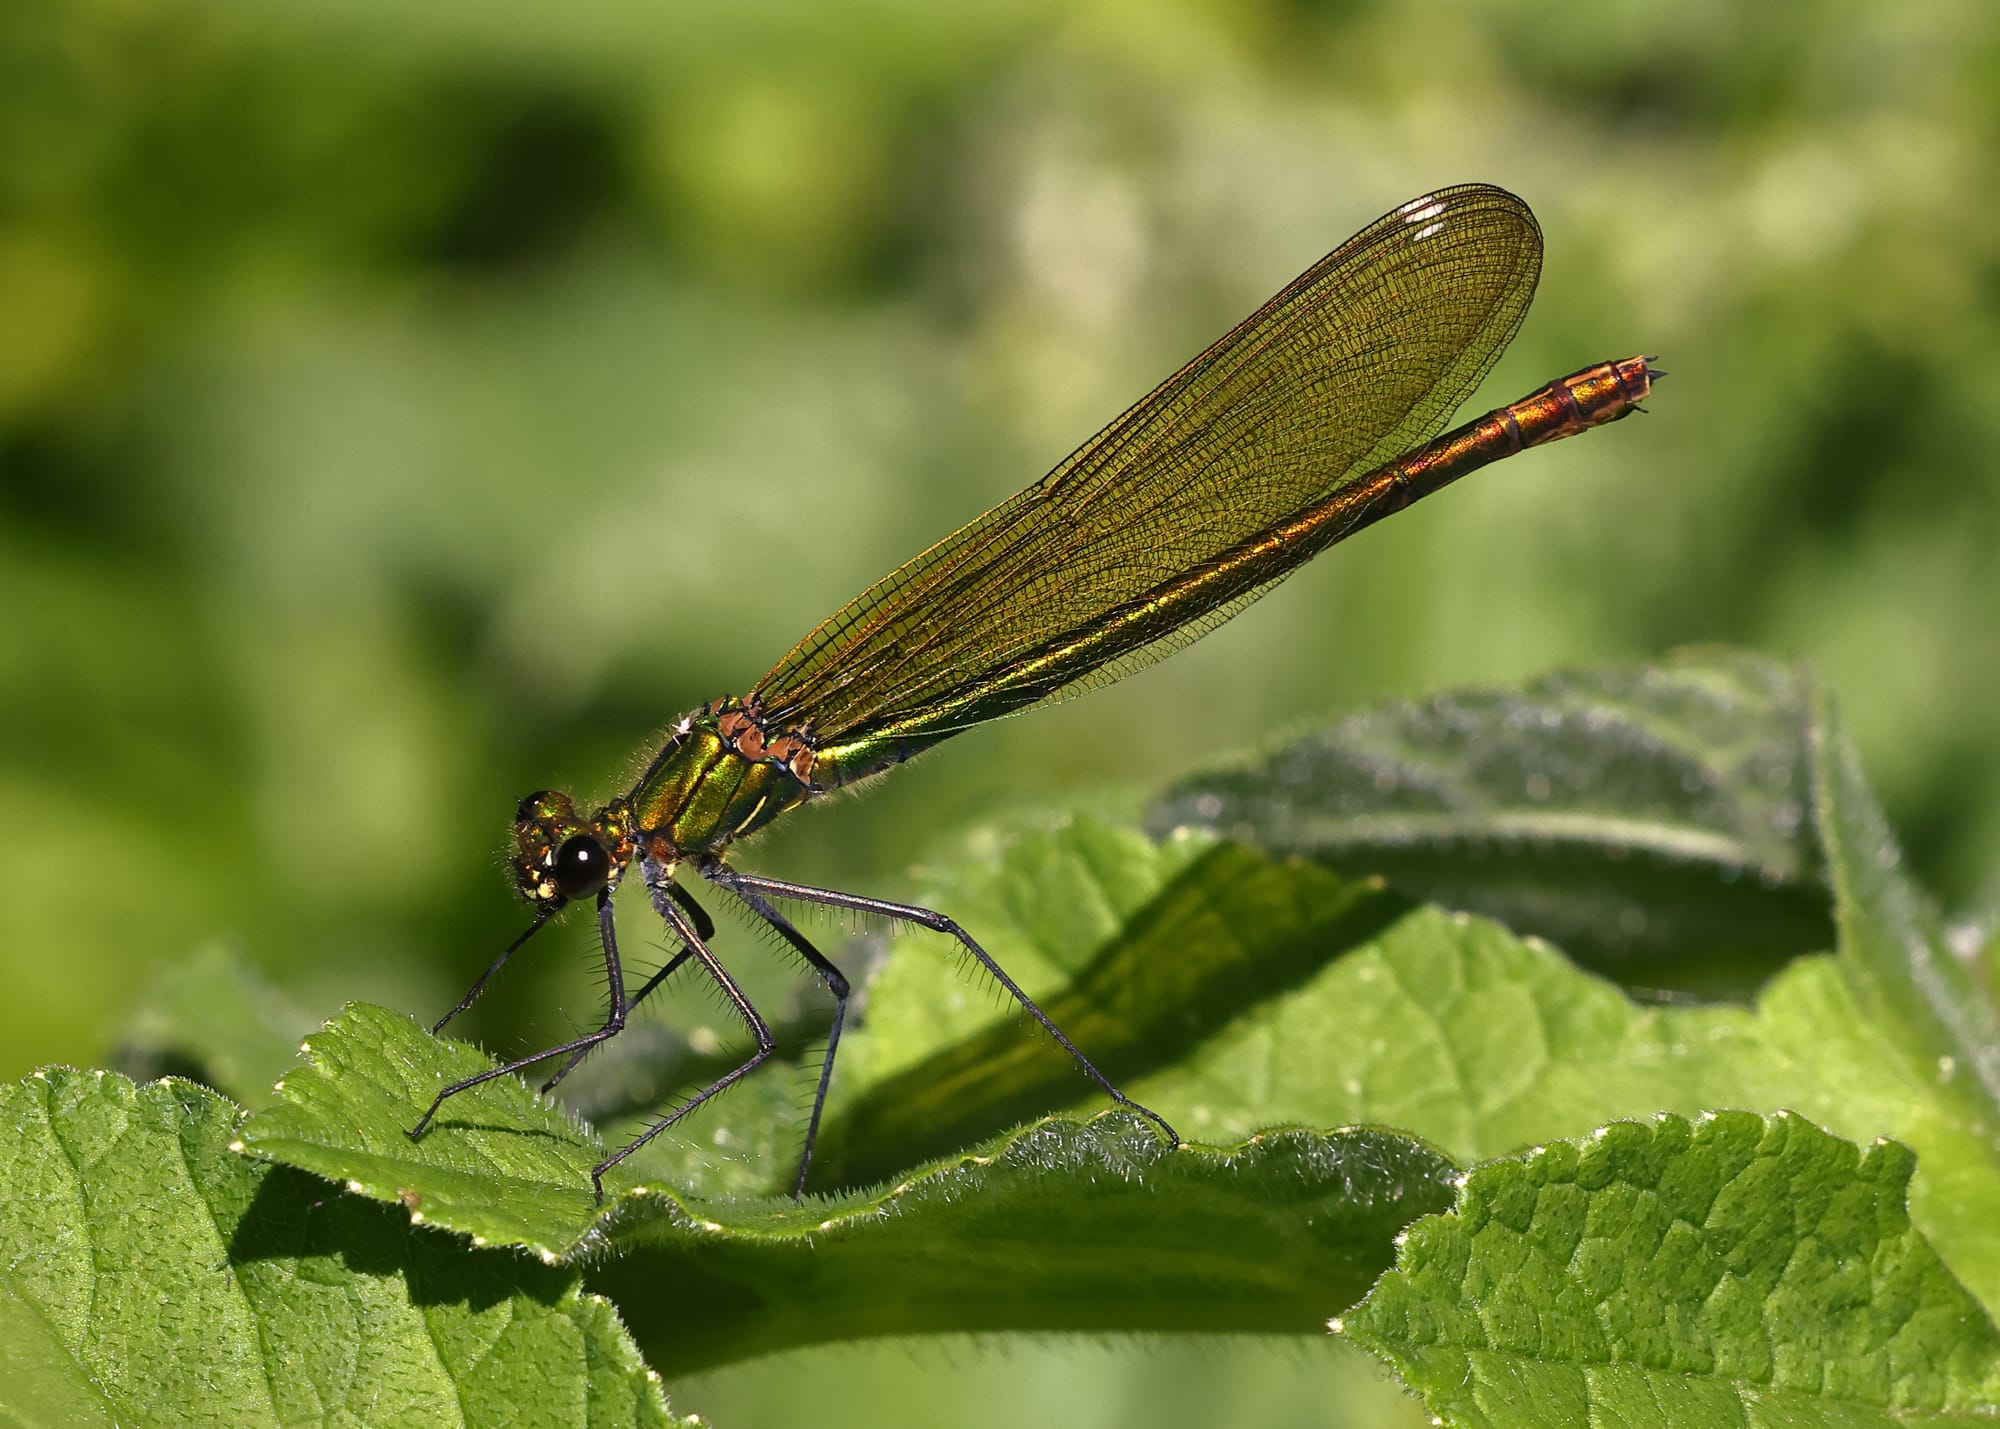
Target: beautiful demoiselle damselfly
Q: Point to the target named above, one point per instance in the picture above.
(1312, 418)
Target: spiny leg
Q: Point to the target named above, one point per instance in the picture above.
(715, 872)
(668, 908)
(704, 927)
(744, 883)
(614, 1020)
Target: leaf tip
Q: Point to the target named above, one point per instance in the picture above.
(1337, 1325)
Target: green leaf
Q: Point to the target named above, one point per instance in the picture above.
(1227, 988)
(150, 1276)
(1249, 990)
(1650, 819)
(1060, 1225)
(1737, 1270)
(499, 1163)
(1452, 1029)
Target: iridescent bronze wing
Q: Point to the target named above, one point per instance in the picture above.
(1121, 554)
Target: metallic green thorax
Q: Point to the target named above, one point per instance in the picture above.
(720, 775)
(726, 770)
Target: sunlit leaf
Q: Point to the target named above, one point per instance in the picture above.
(1736, 1271)
(148, 1275)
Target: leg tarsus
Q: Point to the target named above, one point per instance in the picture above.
(766, 1044)
(614, 1021)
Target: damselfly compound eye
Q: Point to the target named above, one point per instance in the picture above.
(582, 866)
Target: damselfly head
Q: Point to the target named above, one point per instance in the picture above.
(559, 857)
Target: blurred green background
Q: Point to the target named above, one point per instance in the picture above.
(406, 407)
